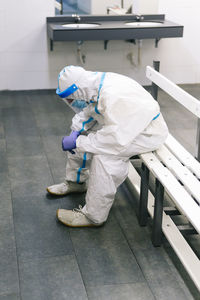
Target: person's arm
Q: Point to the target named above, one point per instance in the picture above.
(83, 120)
(122, 124)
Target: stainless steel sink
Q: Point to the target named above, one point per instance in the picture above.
(80, 25)
(144, 24)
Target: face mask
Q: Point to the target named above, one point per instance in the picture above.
(78, 105)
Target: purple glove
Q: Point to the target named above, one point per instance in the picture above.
(69, 142)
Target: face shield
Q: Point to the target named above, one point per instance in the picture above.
(76, 104)
(70, 90)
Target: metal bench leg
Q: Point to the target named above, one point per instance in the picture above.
(154, 87)
(144, 187)
(158, 213)
(198, 141)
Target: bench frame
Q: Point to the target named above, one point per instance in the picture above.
(168, 180)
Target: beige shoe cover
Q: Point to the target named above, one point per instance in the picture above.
(74, 218)
(62, 189)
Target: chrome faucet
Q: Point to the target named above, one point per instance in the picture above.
(139, 18)
(77, 18)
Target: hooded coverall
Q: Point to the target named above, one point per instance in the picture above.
(121, 120)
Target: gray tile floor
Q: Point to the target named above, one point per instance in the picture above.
(44, 260)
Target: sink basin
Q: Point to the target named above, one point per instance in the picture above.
(144, 24)
(80, 25)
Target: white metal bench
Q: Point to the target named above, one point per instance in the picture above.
(177, 173)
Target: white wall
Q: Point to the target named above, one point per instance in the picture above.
(84, 5)
(145, 6)
(180, 58)
(100, 6)
(23, 44)
(27, 63)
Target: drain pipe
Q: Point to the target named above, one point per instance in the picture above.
(81, 56)
(139, 51)
(130, 56)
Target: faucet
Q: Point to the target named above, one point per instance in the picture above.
(139, 18)
(77, 18)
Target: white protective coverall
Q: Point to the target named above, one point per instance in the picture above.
(121, 120)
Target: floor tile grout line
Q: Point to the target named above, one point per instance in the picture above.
(54, 182)
(8, 294)
(41, 136)
(16, 248)
(123, 232)
(28, 260)
(114, 284)
(41, 139)
(163, 249)
(13, 218)
(76, 256)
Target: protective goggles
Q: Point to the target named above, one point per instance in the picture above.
(70, 90)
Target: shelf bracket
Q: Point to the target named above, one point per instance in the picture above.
(51, 45)
(105, 44)
(132, 41)
(156, 42)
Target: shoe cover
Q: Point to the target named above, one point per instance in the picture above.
(63, 188)
(74, 218)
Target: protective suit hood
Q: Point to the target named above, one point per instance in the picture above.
(77, 83)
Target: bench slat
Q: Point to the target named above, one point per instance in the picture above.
(191, 183)
(184, 202)
(171, 232)
(181, 96)
(182, 166)
(183, 155)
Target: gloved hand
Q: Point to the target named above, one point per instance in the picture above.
(69, 142)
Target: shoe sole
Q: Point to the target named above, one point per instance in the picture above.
(55, 194)
(69, 225)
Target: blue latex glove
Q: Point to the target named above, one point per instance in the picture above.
(69, 142)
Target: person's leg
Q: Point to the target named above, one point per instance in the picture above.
(76, 175)
(106, 174)
(77, 167)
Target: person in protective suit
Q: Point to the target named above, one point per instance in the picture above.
(116, 119)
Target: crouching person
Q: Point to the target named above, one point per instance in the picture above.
(116, 118)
